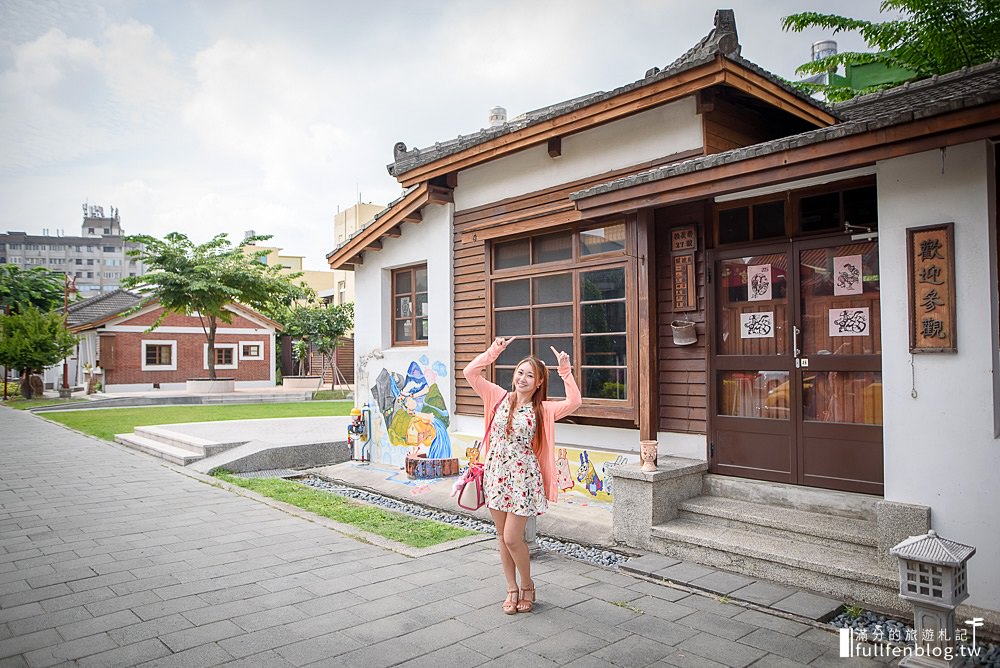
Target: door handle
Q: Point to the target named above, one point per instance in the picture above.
(795, 341)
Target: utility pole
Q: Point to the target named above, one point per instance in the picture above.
(65, 392)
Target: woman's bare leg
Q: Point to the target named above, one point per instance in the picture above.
(506, 560)
(513, 539)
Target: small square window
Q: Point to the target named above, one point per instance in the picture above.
(251, 350)
(225, 356)
(159, 355)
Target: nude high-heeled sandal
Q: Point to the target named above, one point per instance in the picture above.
(511, 602)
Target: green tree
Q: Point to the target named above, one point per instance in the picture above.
(930, 37)
(317, 327)
(32, 340)
(21, 288)
(202, 280)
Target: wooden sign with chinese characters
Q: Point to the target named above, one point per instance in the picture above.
(683, 239)
(685, 285)
(930, 255)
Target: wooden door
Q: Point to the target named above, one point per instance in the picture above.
(795, 373)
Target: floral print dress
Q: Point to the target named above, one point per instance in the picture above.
(513, 480)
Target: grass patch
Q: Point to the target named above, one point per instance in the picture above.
(106, 422)
(24, 404)
(853, 611)
(328, 395)
(627, 606)
(394, 526)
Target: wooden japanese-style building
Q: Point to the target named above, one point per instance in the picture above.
(741, 273)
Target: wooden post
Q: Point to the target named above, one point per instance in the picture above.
(647, 330)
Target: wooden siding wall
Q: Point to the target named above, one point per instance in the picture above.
(728, 124)
(682, 369)
(533, 211)
(469, 315)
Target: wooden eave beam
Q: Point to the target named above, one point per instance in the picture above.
(395, 232)
(376, 244)
(612, 109)
(811, 160)
(440, 195)
(351, 251)
(413, 217)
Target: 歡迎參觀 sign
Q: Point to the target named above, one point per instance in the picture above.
(930, 255)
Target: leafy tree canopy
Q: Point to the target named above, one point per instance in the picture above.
(32, 340)
(317, 326)
(931, 37)
(22, 288)
(203, 279)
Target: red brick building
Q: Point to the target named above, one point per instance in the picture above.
(116, 338)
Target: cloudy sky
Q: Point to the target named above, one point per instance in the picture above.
(226, 115)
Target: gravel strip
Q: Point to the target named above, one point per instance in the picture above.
(591, 555)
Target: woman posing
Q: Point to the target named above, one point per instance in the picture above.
(519, 452)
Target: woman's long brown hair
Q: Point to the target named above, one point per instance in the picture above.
(540, 395)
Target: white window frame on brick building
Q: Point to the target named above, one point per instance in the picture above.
(159, 367)
(243, 350)
(222, 346)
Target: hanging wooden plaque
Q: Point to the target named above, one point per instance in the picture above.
(683, 239)
(685, 285)
(930, 259)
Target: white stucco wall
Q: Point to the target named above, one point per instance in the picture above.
(427, 242)
(940, 447)
(647, 136)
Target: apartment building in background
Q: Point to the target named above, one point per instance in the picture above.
(346, 223)
(96, 259)
(322, 281)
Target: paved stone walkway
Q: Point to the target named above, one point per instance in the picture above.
(111, 558)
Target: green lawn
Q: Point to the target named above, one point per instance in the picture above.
(392, 525)
(106, 422)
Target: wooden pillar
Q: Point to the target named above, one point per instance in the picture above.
(647, 329)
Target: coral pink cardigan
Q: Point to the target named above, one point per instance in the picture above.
(492, 394)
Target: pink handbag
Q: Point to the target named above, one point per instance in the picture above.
(470, 491)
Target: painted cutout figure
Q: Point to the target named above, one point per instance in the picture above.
(418, 417)
(564, 479)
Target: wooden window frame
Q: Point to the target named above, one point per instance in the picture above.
(393, 319)
(158, 343)
(234, 350)
(260, 349)
(611, 409)
(793, 200)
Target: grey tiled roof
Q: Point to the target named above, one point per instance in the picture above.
(965, 88)
(932, 549)
(721, 40)
(100, 307)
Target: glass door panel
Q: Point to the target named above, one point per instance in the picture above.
(753, 305)
(852, 397)
(839, 292)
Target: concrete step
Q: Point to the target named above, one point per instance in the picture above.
(812, 499)
(159, 449)
(841, 573)
(200, 446)
(848, 534)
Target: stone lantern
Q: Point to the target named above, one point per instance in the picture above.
(932, 577)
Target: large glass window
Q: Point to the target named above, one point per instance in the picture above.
(565, 290)
(409, 306)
